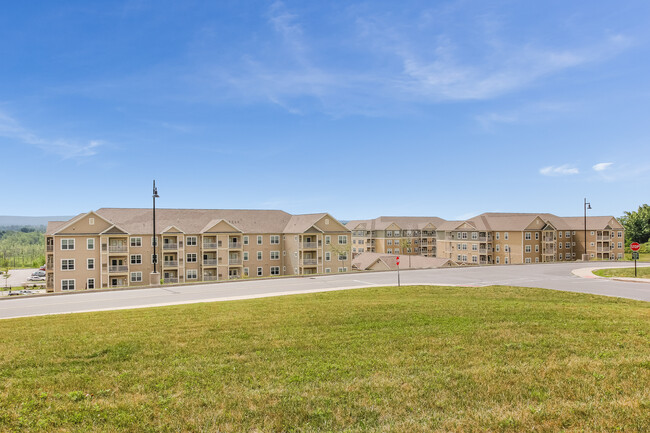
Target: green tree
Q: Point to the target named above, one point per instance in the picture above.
(637, 225)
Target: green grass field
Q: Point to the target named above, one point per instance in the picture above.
(412, 359)
(624, 272)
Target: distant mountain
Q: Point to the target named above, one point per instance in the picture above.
(34, 221)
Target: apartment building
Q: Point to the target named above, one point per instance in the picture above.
(395, 235)
(503, 238)
(114, 247)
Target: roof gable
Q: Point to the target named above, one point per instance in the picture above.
(81, 224)
(220, 226)
(114, 230)
(172, 229)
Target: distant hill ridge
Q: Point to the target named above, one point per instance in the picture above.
(30, 220)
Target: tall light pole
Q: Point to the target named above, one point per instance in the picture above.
(155, 241)
(586, 206)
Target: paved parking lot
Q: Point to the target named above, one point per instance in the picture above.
(17, 278)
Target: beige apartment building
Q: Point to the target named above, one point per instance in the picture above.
(114, 247)
(492, 238)
(395, 235)
(503, 238)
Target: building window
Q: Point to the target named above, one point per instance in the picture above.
(464, 257)
(67, 244)
(505, 235)
(619, 245)
(136, 242)
(620, 234)
(67, 265)
(343, 269)
(275, 240)
(474, 247)
(592, 233)
(396, 250)
(498, 260)
(245, 240)
(90, 244)
(275, 270)
(464, 235)
(567, 256)
(245, 272)
(192, 274)
(136, 259)
(90, 264)
(527, 248)
(592, 244)
(91, 221)
(536, 236)
(498, 248)
(90, 283)
(567, 245)
(465, 247)
(328, 270)
(154, 241)
(459, 257)
(559, 234)
(559, 245)
(506, 248)
(259, 240)
(259, 272)
(497, 235)
(505, 260)
(474, 235)
(136, 277)
(567, 234)
(343, 240)
(190, 241)
(275, 255)
(343, 256)
(537, 248)
(474, 259)
(328, 256)
(191, 258)
(259, 255)
(389, 251)
(327, 240)
(527, 260)
(527, 236)
(389, 242)
(67, 285)
(245, 256)
(536, 259)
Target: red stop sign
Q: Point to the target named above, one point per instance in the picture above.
(635, 246)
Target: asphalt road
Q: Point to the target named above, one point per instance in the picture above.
(557, 276)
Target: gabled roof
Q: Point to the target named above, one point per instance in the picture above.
(302, 223)
(403, 222)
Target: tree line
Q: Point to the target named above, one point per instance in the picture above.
(24, 247)
(637, 225)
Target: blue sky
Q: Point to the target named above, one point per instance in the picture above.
(361, 109)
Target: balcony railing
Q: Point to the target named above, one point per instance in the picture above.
(170, 246)
(210, 278)
(309, 262)
(233, 277)
(603, 249)
(118, 269)
(170, 280)
(170, 263)
(209, 245)
(117, 249)
(482, 238)
(50, 248)
(482, 250)
(309, 245)
(234, 261)
(210, 262)
(235, 245)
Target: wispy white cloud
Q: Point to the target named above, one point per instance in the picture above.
(602, 166)
(560, 170)
(526, 114)
(66, 149)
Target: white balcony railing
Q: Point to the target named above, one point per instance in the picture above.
(170, 263)
(309, 245)
(170, 246)
(235, 245)
(170, 280)
(309, 262)
(209, 245)
(118, 269)
(210, 278)
(234, 261)
(210, 262)
(117, 249)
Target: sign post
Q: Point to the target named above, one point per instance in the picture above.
(635, 247)
(397, 260)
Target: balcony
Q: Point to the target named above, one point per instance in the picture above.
(309, 262)
(603, 249)
(482, 250)
(170, 263)
(482, 238)
(170, 280)
(210, 278)
(234, 261)
(210, 262)
(602, 238)
(235, 245)
(209, 245)
(170, 246)
(118, 249)
(309, 245)
(49, 248)
(118, 269)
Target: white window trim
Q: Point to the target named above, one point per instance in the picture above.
(88, 268)
(67, 247)
(74, 284)
(137, 239)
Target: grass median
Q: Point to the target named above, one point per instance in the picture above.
(381, 359)
(642, 272)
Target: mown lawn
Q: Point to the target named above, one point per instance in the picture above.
(412, 359)
(624, 272)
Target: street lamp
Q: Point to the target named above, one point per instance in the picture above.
(587, 206)
(155, 241)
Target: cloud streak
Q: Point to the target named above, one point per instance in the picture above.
(66, 149)
(560, 170)
(602, 166)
